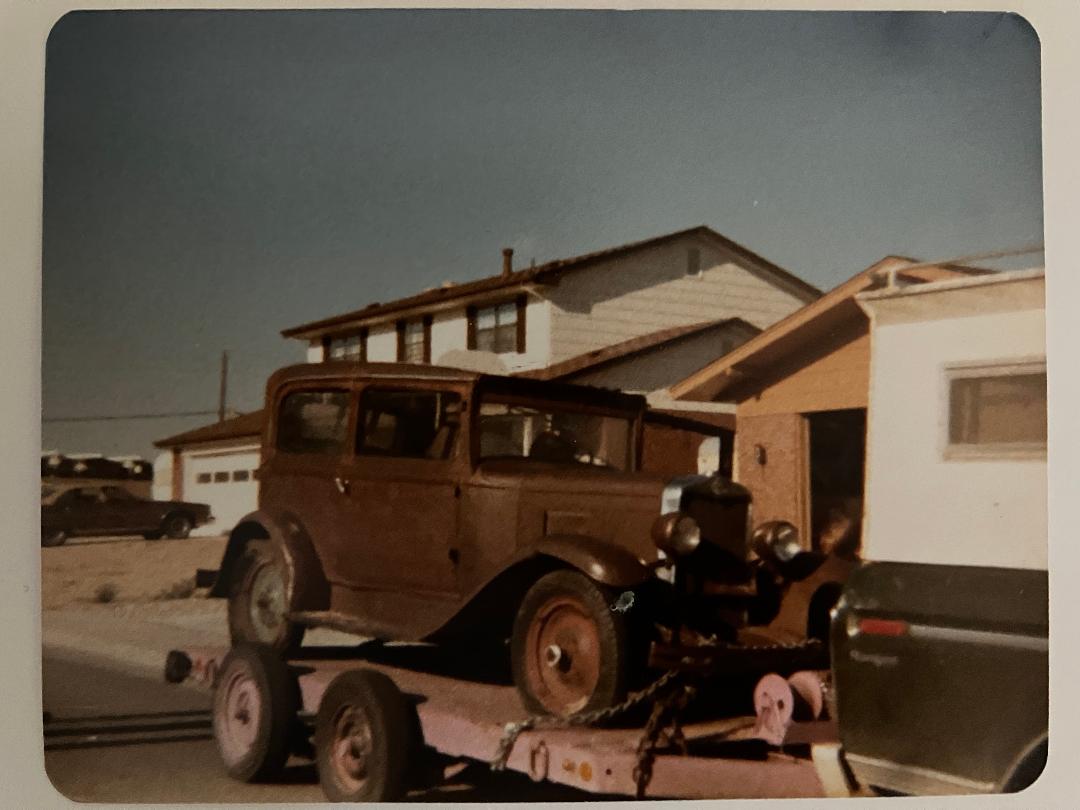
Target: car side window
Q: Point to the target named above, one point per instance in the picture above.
(119, 494)
(408, 424)
(313, 422)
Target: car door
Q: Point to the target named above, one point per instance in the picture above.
(89, 513)
(311, 429)
(402, 491)
(126, 513)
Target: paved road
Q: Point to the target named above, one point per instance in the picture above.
(112, 736)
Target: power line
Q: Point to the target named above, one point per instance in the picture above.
(121, 417)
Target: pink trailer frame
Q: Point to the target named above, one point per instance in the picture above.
(467, 720)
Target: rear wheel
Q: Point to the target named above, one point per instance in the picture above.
(367, 739)
(178, 525)
(570, 652)
(259, 600)
(256, 701)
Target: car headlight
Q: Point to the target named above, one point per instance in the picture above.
(676, 534)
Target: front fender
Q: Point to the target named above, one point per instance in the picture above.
(308, 588)
(599, 560)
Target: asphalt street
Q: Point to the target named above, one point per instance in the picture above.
(116, 736)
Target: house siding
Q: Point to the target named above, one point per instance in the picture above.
(831, 375)
(449, 333)
(637, 294)
(659, 368)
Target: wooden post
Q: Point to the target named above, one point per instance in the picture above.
(224, 386)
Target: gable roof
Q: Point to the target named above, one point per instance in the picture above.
(247, 425)
(597, 358)
(812, 322)
(546, 273)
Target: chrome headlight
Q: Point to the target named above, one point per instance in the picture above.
(676, 534)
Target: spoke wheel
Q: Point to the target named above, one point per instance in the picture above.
(367, 738)
(570, 650)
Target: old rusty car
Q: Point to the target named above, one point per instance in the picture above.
(405, 502)
(78, 509)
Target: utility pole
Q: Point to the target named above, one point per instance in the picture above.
(224, 385)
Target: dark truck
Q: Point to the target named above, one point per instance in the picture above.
(419, 503)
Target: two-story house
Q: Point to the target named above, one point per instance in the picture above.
(693, 288)
(638, 317)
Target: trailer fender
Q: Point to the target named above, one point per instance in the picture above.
(308, 586)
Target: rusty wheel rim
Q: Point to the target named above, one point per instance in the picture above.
(238, 721)
(562, 649)
(267, 605)
(351, 748)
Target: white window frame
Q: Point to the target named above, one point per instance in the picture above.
(989, 451)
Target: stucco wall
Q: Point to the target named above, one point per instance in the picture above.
(921, 506)
(650, 290)
(778, 485)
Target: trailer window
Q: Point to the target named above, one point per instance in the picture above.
(996, 409)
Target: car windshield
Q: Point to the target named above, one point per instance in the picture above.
(555, 433)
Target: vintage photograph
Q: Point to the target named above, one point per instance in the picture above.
(542, 405)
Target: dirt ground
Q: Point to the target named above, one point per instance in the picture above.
(132, 569)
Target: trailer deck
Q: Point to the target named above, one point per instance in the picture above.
(727, 757)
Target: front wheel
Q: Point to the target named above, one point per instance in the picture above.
(258, 602)
(570, 651)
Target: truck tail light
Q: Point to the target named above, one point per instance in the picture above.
(883, 627)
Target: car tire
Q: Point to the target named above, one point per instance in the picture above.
(255, 713)
(51, 538)
(570, 652)
(367, 739)
(177, 526)
(258, 600)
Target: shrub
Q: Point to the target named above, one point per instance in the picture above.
(105, 593)
(184, 589)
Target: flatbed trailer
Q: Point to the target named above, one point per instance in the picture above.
(762, 756)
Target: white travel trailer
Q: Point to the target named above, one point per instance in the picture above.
(940, 640)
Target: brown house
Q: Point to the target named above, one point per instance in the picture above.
(801, 389)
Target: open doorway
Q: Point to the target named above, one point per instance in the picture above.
(837, 464)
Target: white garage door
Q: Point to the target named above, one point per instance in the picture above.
(226, 481)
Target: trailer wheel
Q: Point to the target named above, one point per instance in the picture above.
(367, 738)
(256, 701)
(258, 600)
(570, 651)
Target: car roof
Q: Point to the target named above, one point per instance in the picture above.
(520, 386)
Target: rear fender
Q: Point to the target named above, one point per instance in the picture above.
(308, 586)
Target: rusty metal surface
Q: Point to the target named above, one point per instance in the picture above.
(467, 719)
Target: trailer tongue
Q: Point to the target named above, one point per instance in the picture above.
(262, 717)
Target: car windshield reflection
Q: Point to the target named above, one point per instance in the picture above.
(555, 433)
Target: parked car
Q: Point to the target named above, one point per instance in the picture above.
(413, 502)
(72, 510)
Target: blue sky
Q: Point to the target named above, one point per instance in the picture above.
(214, 177)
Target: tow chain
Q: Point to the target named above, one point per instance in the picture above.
(511, 731)
(664, 714)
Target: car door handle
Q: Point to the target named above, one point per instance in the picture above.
(342, 485)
